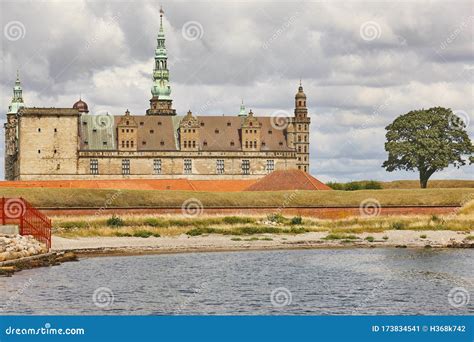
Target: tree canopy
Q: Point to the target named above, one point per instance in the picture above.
(427, 140)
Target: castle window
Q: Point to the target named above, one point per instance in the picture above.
(152, 131)
(194, 143)
(304, 149)
(159, 123)
(156, 166)
(232, 143)
(39, 129)
(86, 142)
(202, 124)
(125, 166)
(246, 167)
(270, 131)
(280, 143)
(127, 130)
(229, 124)
(127, 123)
(188, 166)
(185, 144)
(305, 138)
(194, 131)
(94, 130)
(131, 143)
(94, 166)
(204, 143)
(162, 143)
(84, 122)
(304, 158)
(270, 165)
(299, 127)
(220, 166)
(299, 138)
(141, 123)
(128, 144)
(255, 131)
(263, 143)
(299, 167)
(246, 144)
(55, 151)
(306, 127)
(299, 149)
(305, 168)
(123, 143)
(131, 131)
(104, 143)
(123, 130)
(216, 131)
(251, 124)
(255, 144)
(143, 142)
(55, 130)
(39, 151)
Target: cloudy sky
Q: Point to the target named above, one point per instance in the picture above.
(361, 64)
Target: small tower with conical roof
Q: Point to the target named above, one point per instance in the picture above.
(300, 126)
(161, 102)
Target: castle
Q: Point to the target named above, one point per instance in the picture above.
(71, 143)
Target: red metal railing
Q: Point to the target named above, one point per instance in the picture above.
(30, 220)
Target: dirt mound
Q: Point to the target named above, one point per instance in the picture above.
(288, 180)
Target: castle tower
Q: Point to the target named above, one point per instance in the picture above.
(161, 102)
(11, 131)
(17, 100)
(301, 123)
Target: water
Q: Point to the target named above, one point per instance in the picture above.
(320, 282)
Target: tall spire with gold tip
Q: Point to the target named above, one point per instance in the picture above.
(160, 103)
(17, 100)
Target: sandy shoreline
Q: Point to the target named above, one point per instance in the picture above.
(102, 246)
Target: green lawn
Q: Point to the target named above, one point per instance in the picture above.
(97, 198)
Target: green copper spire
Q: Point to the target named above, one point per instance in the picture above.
(161, 87)
(17, 100)
(242, 109)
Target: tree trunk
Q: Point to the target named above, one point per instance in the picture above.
(424, 176)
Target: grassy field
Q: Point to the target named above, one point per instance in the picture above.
(97, 198)
(434, 184)
(145, 226)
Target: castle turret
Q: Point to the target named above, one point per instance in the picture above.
(161, 102)
(17, 100)
(300, 127)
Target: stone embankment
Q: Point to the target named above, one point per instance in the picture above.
(17, 246)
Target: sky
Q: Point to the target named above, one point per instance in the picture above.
(361, 64)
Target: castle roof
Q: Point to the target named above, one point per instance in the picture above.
(160, 133)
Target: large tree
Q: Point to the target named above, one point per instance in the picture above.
(427, 140)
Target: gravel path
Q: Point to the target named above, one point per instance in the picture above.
(184, 243)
